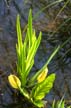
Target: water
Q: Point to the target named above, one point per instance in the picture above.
(61, 64)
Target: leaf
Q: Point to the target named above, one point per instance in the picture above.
(39, 103)
(19, 34)
(63, 104)
(33, 50)
(41, 89)
(43, 75)
(44, 66)
(31, 65)
(60, 103)
(34, 37)
(30, 27)
(14, 81)
(24, 93)
(53, 104)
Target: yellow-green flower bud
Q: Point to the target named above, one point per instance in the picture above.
(42, 75)
(14, 81)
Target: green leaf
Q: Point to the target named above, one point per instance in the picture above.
(63, 104)
(26, 51)
(45, 65)
(30, 27)
(24, 92)
(41, 89)
(39, 103)
(60, 103)
(32, 51)
(53, 104)
(31, 65)
(19, 34)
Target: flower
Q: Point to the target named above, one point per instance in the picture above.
(14, 81)
(42, 75)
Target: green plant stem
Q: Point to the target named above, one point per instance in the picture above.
(48, 61)
(65, 42)
(24, 93)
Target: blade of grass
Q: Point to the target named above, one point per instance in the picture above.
(53, 3)
(48, 61)
(61, 103)
(61, 26)
(61, 9)
(38, 13)
(30, 27)
(19, 34)
(32, 51)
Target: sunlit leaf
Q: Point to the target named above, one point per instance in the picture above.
(39, 103)
(41, 89)
(59, 104)
(30, 31)
(14, 81)
(24, 92)
(32, 51)
(53, 104)
(63, 104)
(26, 50)
(44, 66)
(19, 34)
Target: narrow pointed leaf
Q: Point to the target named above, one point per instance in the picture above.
(19, 35)
(48, 61)
(30, 27)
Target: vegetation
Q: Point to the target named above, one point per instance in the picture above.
(34, 88)
(60, 104)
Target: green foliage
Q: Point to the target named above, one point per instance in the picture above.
(44, 66)
(41, 89)
(25, 60)
(60, 104)
(27, 50)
